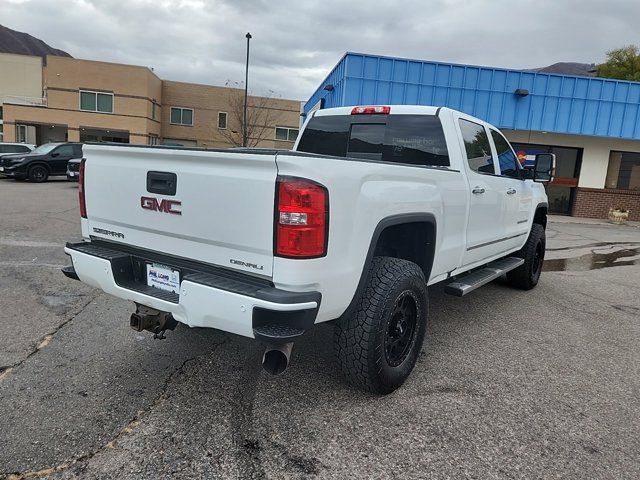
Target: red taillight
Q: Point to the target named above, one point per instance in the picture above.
(83, 205)
(369, 110)
(302, 218)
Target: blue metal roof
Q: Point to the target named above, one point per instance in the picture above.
(555, 103)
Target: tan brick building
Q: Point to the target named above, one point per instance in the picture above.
(20, 81)
(213, 117)
(84, 100)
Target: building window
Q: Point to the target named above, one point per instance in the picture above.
(286, 134)
(181, 116)
(96, 102)
(21, 133)
(222, 120)
(624, 171)
(154, 113)
(153, 139)
(1, 132)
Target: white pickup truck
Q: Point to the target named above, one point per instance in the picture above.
(372, 205)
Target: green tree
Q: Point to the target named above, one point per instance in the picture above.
(622, 63)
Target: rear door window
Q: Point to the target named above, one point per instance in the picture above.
(404, 139)
(65, 150)
(476, 145)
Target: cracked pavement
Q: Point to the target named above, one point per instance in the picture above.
(510, 384)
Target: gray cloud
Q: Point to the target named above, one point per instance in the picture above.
(296, 43)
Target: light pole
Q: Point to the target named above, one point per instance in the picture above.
(246, 85)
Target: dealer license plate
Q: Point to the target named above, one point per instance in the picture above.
(163, 277)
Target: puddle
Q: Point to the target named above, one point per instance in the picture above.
(594, 261)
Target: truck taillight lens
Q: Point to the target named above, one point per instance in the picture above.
(302, 218)
(83, 205)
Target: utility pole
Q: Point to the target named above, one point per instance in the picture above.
(246, 85)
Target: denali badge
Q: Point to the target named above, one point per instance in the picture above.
(164, 205)
(246, 264)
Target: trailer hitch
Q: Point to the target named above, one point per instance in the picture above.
(152, 320)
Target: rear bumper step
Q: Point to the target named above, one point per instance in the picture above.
(469, 282)
(70, 272)
(208, 296)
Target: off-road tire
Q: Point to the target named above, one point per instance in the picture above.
(364, 341)
(527, 275)
(38, 174)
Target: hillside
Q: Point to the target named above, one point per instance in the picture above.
(24, 44)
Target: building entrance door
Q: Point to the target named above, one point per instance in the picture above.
(561, 191)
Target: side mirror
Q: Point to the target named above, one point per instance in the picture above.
(545, 167)
(55, 154)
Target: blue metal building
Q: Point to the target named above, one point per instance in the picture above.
(596, 117)
(546, 102)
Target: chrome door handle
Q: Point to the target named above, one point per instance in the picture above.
(511, 191)
(477, 190)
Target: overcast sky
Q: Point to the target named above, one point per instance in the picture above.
(296, 43)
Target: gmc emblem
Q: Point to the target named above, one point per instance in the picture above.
(164, 205)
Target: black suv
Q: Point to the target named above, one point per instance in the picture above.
(46, 160)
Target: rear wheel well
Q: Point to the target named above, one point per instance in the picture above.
(540, 216)
(413, 241)
(39, 164)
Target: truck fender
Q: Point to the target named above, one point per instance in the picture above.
(540, 214)
(391, 221)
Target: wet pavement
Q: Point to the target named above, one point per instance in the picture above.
(602, 256)
(510, 384)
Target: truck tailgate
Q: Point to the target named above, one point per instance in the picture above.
(221, 212)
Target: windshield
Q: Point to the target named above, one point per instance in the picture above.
(46, 148)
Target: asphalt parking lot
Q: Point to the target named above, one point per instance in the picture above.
(510, 384)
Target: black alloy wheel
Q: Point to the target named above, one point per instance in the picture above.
(401, 329)
(527, 275)
(38, 174)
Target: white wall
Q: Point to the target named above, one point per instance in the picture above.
(595, 157)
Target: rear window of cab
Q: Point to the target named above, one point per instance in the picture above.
(404, 139)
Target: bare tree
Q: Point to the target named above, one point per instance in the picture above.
(260, 118)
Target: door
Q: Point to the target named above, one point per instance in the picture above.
(561, 191)
(59, 158)
(516, 191)
(486, 223)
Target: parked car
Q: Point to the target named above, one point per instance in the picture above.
(73, 169)
(45, 161)
(374, 204)
(8, 148)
